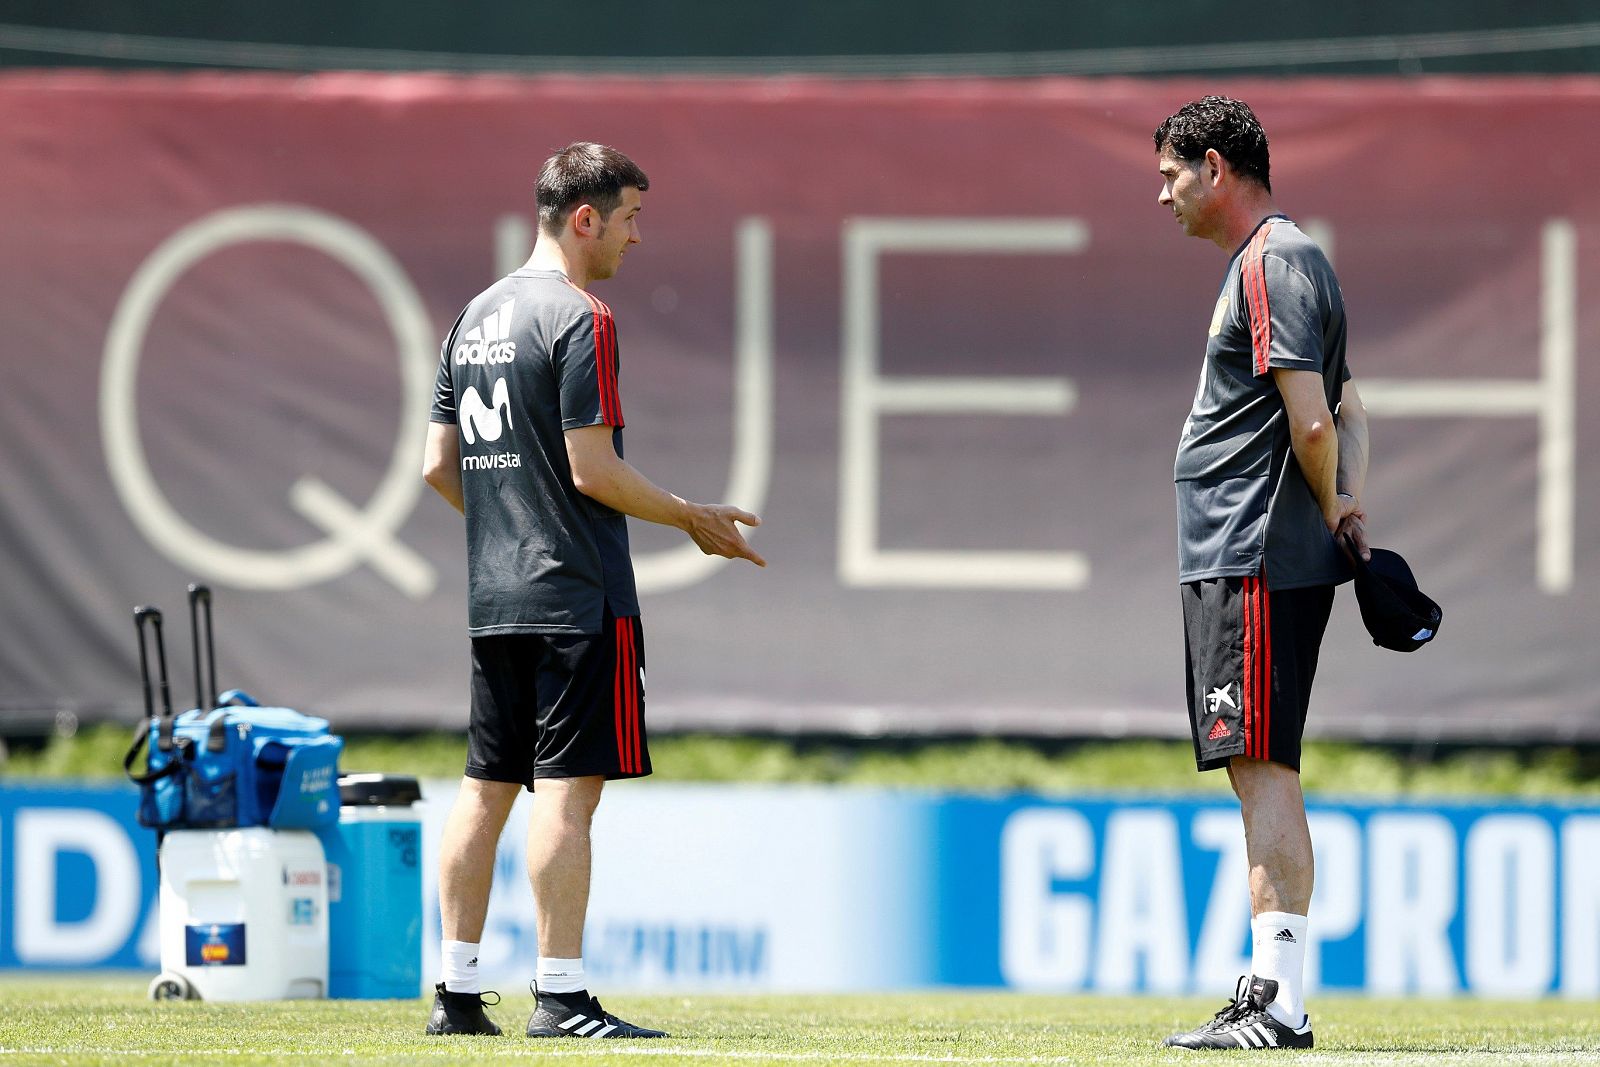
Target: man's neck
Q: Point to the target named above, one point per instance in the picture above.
(1243, 221)
(548, 254)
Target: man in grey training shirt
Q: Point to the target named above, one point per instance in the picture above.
(526, 441)
(1268, 477)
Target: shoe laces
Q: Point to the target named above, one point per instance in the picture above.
(606, 1016)
(483, 996)
(1238, 1008)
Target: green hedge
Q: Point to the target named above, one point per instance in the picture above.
(969, 765)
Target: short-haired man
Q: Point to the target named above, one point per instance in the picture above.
(1268, 477)
(526, 441)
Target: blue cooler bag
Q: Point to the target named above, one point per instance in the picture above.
(251, 766)
(239, 766)
(231, 765)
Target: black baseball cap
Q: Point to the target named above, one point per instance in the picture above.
(1397, 614)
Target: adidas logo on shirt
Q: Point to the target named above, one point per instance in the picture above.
(486, 342)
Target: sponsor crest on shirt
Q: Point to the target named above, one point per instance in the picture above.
(1217, 315)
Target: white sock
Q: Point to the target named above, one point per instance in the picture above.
(460, 966)
(560, 976)
(1279, 953)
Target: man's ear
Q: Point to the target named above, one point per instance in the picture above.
(585, 220)
(1213, 165)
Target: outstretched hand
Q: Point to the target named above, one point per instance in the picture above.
(713, 527)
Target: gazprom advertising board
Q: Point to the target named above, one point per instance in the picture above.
(801, 888)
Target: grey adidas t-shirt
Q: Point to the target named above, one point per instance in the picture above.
(1243, 505)
(531, 357)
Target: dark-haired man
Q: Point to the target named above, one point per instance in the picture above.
(1268, 476)
(526, 441)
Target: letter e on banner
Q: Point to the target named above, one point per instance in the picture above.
(868, 395)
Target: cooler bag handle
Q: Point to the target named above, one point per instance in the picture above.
(173, 766)
(217, 735)
(142, 615)
(205, 697)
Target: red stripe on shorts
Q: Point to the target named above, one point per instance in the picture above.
(1247, 684)
(617, 702)
(1266, 669)
(636, 756)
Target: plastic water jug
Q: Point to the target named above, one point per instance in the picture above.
(375, 889)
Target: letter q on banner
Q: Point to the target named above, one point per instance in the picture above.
(355, 535)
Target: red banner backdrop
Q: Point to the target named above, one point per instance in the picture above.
(938, 332)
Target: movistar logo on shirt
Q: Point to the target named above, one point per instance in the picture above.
(493, 461)
(486, 342)
(487, 421)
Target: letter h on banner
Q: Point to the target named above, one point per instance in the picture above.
(867, 395)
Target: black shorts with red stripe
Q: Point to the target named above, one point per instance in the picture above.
(559, 705)
(1251, 657)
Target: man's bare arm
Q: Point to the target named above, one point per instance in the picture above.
(1351, 420)
(599, 473)
(1315, 440)
(441, 463)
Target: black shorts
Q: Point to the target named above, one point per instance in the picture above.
(559, 705)
(1251, 656)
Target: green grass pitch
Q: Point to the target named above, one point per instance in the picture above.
(99, 1020)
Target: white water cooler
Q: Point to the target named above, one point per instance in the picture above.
(244, 915)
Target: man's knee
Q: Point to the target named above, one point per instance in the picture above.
(575, 799)
(482, 806)
(1263, 781)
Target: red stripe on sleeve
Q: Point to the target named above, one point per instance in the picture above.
(1255, 293)
(607, 354)
(605, 358)
(603, 368)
